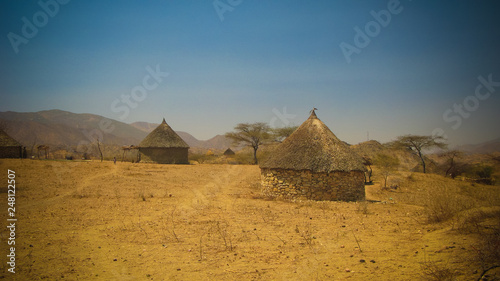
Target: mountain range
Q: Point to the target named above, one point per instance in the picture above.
(482, 148)
(63, 129)
(58, 128)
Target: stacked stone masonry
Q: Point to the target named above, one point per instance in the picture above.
(306, 185)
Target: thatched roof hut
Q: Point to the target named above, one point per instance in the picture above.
(313, 147)
(229, 152)
(9, 147)
(163, 136)
(163, 145)
(312, 163)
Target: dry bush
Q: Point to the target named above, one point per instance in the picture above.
(435, 272)
(485, 225)
(485, 195)
(362, 207)
(444, 198)
(218, 232)
(306, 234)
(202, 158)
(441, 205)
(244, 158)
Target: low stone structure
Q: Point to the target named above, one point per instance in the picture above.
(313, 164)
(173, 155)
(306, 185)
(9, 147)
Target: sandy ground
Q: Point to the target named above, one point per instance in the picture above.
(99, 221)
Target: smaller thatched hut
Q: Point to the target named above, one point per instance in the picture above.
(229, 152)
(164, 146)
(9, 147)
(312, 163)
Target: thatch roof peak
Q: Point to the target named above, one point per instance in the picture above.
(164, 137)
(229, 151)
(6, 140)
(313, 114)
(313, 147)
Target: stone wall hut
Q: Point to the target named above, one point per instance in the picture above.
(229, 152)
(163, 146)
(312, 163)
(9, 147)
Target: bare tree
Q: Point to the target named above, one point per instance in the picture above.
(33, 146)
(451, 157)
(99, 148)
(252, 135)
(417, 144)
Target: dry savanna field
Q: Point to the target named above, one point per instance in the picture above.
(100, 221)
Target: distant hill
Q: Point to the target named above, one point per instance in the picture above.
(483, 148)
(63, 129)
(368, 148)
(144, 126)
(218, 142)
(372, 148)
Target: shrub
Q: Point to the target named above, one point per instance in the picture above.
(481, 174)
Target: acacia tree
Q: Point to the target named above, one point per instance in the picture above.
(417, 144)
(280, 134)
(252, 135)
(387, 164)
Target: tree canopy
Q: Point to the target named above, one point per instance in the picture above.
(387, 164)
(417, 144)
(253, 135)
(280, 134)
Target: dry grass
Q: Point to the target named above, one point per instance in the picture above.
(92, 220)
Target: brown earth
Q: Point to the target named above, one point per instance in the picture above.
(99, 221)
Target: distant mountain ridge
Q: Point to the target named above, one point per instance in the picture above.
(218, 142)
(485, 147)
(58, 128)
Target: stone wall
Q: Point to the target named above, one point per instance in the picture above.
(10, 151)
(306, 185)
(164, 155)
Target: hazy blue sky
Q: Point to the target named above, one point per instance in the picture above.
(233, 61)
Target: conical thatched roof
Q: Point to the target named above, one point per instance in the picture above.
(313, 147)
(6, 140)
(163, 136)
(229, 151)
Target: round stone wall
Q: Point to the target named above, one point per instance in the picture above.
(306, 185)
